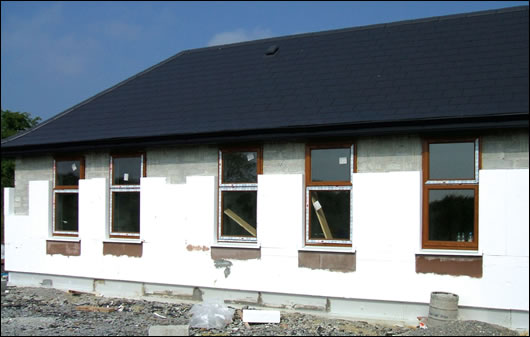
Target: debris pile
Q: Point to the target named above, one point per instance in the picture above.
(47, 312)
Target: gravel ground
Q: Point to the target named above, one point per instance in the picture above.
(46, 312)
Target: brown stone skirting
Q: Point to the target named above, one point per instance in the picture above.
(234, 253)
(450, 265)
(67, 248)
(123, 248)
(335, 261)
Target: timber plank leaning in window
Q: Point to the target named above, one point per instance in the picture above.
(238, 190)
(450, 194)
(67, 172)
(125, 173)
(329, 171)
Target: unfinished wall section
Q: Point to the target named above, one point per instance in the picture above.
(505, 150)
(388, 153)
(284, 158)
(26, 170)
(97, 165)
(179, 222)
(176, 163)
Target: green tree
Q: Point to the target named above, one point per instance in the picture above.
(12, 122)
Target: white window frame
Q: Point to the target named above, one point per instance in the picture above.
(56, 191)
(238, 187)
(323, 242)
(123, 188)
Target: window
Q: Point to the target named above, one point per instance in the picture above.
(450, 194)
(67, 172)
(126, 171)
(238, 191)
(329, 171)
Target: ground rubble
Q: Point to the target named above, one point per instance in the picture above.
(47, 312)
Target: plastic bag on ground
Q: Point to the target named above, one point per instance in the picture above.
(211, 315)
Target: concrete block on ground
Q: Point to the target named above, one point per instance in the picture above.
(169, 330)
(261, 316)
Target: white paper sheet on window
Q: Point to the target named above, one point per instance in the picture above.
(126, 176)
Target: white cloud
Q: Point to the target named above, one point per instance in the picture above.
(120, 30)
(239, 35)
(33, 43)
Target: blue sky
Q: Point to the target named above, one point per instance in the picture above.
(57, 54)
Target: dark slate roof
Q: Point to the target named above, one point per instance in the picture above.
(458, 68)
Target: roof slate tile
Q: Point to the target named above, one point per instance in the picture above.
(470, 65)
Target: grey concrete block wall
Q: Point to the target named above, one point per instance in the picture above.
(505, 150)
(284, 158)
(500, 150)
(388, 153)
(374, 154)
(97, 165)
(176, 163)
(26, 170)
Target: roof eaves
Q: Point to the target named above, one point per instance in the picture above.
(285, 134)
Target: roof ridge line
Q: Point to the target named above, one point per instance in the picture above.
(90, 99)
(365, 27)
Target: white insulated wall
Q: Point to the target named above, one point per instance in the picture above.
(178, 226)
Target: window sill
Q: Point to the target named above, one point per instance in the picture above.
(451, 252)
(328, 249)
(236, 245)
(117, 240)
(64, 239)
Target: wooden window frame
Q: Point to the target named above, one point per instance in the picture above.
(449, 184)
(124, 188)
(70, 189)
(328, 186)
(236, 187)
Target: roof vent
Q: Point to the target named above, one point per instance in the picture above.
(272, 50)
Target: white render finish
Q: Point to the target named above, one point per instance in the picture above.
(179, 222)
(175, 219)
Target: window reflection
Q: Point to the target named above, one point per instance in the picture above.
(127, 170)
(67, 172)
(240, 167)
(330, 165)
(451, 215)
(452, 161)
(239, 213)
(126, 212)
(330, 215)
(66, 210)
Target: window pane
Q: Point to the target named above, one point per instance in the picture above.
(67, 172)
(127, 171)
(66, 208)
(330, 165)
(452, 161)
(126, 212)
(330, 215)
(451, 215)
(239, 213)
(240, 167)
